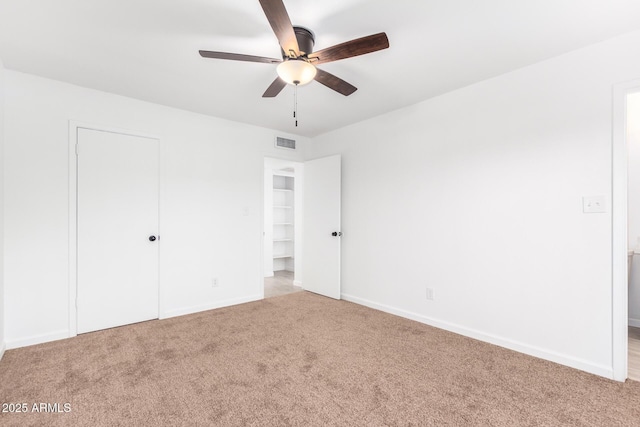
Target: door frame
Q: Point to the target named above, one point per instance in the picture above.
(619, 237)
(272, 164)
(74, 126)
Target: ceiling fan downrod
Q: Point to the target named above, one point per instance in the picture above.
(295, 104)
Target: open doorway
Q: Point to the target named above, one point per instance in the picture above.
(624, 240)
(633, 233)
(282, 227)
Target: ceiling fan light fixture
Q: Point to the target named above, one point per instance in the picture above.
(296, 71)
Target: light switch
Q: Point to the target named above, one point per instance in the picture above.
(594, 204)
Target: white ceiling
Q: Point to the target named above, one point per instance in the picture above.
(148, 49)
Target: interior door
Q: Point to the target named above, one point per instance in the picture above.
(117, 229)
(321, 229)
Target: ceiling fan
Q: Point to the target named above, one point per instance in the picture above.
(298, 63)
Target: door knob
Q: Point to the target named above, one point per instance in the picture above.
(152, 238)
(336, 233)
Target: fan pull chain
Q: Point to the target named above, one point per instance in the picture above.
(295, 104)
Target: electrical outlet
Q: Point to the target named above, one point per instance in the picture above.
(594, 204)
(430, 294)
(214, 282)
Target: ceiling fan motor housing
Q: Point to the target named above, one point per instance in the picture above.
(306, 39)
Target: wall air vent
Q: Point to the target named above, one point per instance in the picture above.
(289, 144)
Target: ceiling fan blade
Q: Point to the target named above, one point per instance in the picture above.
(351, 48)
(281, 25)
(275, 88)
(335, 83)
(238, 57)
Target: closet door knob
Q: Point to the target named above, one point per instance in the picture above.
(152, 238)
(336, 233)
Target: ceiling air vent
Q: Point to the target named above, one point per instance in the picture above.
(289, 144)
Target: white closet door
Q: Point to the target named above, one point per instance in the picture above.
(117, 229)
(321, 247)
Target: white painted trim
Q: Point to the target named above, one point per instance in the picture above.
(73, 238)
(74, 125)
(634, 322)
(210, 306)
(3, 347)
(541, 353)
(275, 165)
(163, 155)
(297, 283)
(38, 339)
(263, 273)
(619, 244)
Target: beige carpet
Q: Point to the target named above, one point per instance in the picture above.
(303, 360)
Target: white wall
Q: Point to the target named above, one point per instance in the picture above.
(633, 143)
(211, 174)
(2, 298)
(477, 194)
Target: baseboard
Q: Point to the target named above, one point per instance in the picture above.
(210, 306)
(37, 339)
(3, 347)
(62, 334)
(268, 274)
(297, 283)
(583, 365)
(634, 322)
